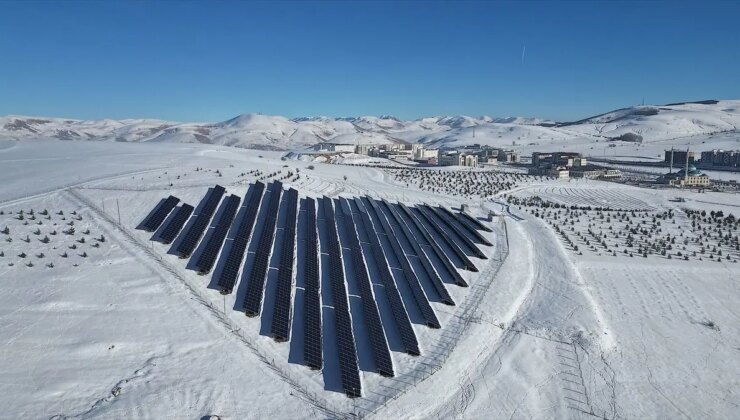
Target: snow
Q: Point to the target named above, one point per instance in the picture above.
(659, 126)
(542, 332)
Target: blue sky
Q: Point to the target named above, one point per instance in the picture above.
(209, 61)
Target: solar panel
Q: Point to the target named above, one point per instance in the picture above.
(216, 240)
(468, 226)
(432, 242)
(245, 222)
(378, 342)
(195, 232)
(312, 339)
(343, 322)
(155, 219)
(255, 288)
(474, 221)
(175, 224)
(414, 241)
(428, 215)
(281, 310)
(392, 233)
(406, 331)
(449, 221)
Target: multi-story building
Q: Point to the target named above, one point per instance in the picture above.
(458, 159)
(567, 159)
(508, 156)
(334, 147)
(728, 158)
(678, 157)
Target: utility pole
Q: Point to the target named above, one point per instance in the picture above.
(119, 211)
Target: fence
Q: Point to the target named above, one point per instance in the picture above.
(362, 406)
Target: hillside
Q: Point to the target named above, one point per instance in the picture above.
(255, 131)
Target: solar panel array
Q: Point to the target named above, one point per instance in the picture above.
(156, 218)
(281, 310)
(467, 225)
(174, 226)
(245, 221)
(252, 303)
(195, 232)
(432, 243)
(419, 253)
(312, 336)
(208, 257)
(449, 221)
(408, 337)
(433, 236)
(381, 353)
(422, 302)
(436, 225)
(473, 220)
(342, 320)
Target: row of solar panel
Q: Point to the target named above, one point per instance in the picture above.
(281, 310)
(424, 229)
(347, 351)
(312, 337)
(252, 303)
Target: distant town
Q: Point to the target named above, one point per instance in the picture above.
(684, 167)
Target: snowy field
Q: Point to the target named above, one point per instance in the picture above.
(545, 330)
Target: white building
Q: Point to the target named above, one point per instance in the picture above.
(334, 147)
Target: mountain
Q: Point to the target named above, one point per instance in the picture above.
(257, 131)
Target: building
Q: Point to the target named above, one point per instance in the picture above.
(726, 158)
(458, 159)
(508, 156)
(567, 159)
(364, 149)
(420, 153)
(678, 157)
(690, 177)
(334, 147)
(595, 172)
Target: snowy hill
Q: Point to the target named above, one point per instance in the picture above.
(255, 131)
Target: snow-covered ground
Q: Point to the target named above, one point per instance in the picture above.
(703, 126)
(545, 331)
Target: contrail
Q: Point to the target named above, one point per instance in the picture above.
(524, 51)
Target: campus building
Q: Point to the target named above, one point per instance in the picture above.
(458, 159)
(679, 157)
(726, 158)
(334, 147)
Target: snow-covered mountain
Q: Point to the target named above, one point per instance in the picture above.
(256, 131)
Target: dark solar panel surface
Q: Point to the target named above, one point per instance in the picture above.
(208, 257)
(245, 222)
(255, 288)
(400, 316)
(195, 232)
(473, 220)
(392, 233)
(414, 241)
(343, 322)
(469, 227)
(449, 221)
(430, 218)
(175, 224)
(152, 223)
(312, 339)
(280, 326)
(432, 242)
(378, 342)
